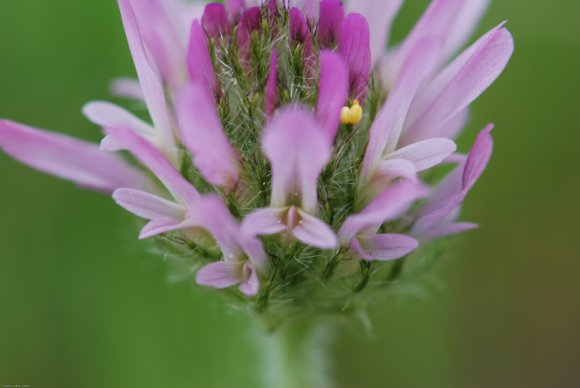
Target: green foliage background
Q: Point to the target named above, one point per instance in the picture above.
(81, 305)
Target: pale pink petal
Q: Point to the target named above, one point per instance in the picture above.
(461, 83)
(69, 158)
(356, 51)
(464, 26)
(199, 62)
(146, 205)
(298, 151)
(152, 158)
(109, 115)
(127, 88)
(251, 282)
(389, 205)
(332, 92)
(203, 134)
(427, 153)
(315, 232)
(219, 275)
(163, 225)
(387, 127)
(393, 168)
(264, 222)
(435, 23)
(160, 25)
(446, 230)
(380, 15)
(148, 74)
(384, 247)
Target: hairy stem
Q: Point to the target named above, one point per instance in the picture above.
(296, 355)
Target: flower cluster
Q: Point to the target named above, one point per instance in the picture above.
(289, 153)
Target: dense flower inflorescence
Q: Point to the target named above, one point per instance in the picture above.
(288, 154)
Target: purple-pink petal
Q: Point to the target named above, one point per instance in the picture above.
(478, 158)
(68, 158)
(203, 134)
(300, 32)
(356, 51)
(250, 20)
(329, 22)
(215, 20)
(234, 8)
(332, 92)
(393, 168)
(199, 61)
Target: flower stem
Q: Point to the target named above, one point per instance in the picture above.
(296, 355)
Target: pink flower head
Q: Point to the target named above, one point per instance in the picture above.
(287, 140)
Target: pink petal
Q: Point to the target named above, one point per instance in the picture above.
(212, 214)
(427, 153)
(380, 15)
(215, 20)
(384, 247)
(234, 8)
(148, 74)
(219, 275)
(160, 26)
(163, 225)
(146, 205)
(69, 158)
(199, 62)
(478, 158)
(272, 85)
(332, 93)
(251, 282)
(109, 115)
(250, 20)
(264, 222)
(387, 127)
(356, 52)
(389, 205)
(152, 158)
(393, 168)
(464, 26)
(447, 230)
(298, 150)
(300, 33)
(203, 134)
(329, 23)
(435, 23)
(313, 231)
(460, 83)
(127, 88)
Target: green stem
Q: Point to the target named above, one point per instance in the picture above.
(296, 356)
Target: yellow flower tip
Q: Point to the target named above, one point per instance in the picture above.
(352, 115)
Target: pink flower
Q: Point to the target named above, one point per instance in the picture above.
(269, 144)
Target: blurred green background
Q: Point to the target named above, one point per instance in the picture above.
(81, 305)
